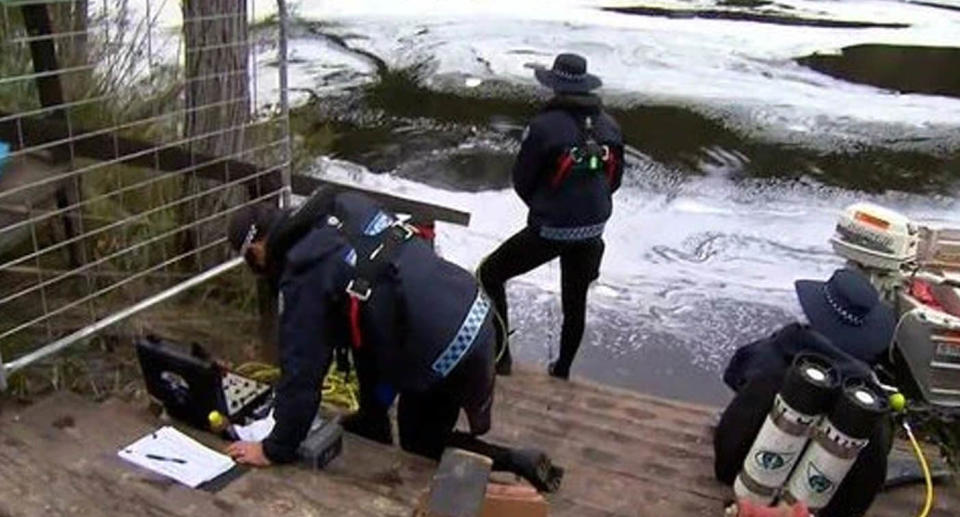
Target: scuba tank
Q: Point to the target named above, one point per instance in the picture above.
(808, 390)
(835, 445)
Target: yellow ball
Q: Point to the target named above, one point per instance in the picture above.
(898, 402)
(216, 420)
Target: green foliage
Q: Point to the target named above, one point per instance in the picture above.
(311, 136)
(16, 96)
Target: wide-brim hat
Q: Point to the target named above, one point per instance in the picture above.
(568, 75)
(849, 312)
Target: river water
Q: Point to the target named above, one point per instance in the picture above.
(749, 129)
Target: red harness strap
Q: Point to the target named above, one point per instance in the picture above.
(611, 166)
(356, 336)
(564, 165)
(426, 230)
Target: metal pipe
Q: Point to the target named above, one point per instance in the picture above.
(286, 171)
(93, 328)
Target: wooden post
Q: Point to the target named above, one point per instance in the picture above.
(36, 18)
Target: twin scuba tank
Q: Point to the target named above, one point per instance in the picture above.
(812, 436)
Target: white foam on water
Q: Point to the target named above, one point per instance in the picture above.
(733, 65)
(745, 249)
(744, 69)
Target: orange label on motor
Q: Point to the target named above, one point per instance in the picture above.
(871, 220)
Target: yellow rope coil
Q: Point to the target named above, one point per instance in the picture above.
(338, 391)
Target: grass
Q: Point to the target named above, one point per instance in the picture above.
(311, 137)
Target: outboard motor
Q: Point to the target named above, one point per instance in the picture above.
(836, 443)
(807, 393)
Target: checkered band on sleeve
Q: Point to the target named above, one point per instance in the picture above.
(463, 340)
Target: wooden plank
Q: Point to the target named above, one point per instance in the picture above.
(367, 479)
(648, 420)
(59, 458)
(533, 380)
(625, 455)
(107, 145)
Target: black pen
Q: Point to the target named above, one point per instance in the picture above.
(164, 458)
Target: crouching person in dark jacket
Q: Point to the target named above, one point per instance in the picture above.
(570, 164)
(850, 325)
(351, 275)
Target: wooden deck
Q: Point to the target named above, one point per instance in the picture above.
(625, 454)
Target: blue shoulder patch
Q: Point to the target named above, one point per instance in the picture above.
(378, 223)
(351, 257)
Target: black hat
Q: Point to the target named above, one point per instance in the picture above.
(848, 311)
(250, 224)
(568, 75)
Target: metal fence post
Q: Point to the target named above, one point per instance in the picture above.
(287, 171)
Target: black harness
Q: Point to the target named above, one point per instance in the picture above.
(591, 155)
(370, 266)
(374, 253)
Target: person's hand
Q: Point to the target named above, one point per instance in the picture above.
(248, 453)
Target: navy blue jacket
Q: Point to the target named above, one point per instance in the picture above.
(416, 309)
(774, 354)
(583, 199)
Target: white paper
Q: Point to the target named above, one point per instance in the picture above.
(257, 430)
(171, 453)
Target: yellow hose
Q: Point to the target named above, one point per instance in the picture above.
(926, 470)
(338, 391)
(261, 372)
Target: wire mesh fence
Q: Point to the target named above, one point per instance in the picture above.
(129, 132)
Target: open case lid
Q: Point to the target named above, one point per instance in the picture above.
(188, 384)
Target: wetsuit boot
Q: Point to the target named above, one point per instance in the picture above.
(535, 466)
(558, 371)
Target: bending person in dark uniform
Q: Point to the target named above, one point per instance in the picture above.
(569, 165)
(351, 276)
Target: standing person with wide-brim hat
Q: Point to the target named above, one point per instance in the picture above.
(569, 165)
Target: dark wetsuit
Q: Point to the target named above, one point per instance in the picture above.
(427, 332)
(568, 209)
